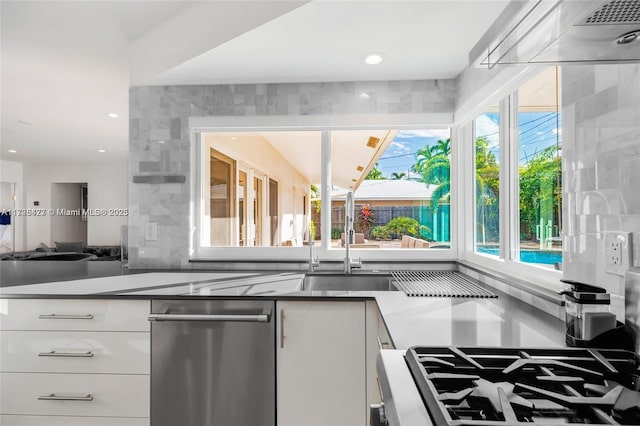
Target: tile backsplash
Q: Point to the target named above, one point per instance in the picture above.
(601, 167)
(161, 113)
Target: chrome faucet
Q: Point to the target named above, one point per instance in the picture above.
(313, 262)
(349, 212)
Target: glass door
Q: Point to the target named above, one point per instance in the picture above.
(221, 194)
(273, 212)
(243, 224)
(258, 209)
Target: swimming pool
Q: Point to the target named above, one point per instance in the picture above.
(546, 257)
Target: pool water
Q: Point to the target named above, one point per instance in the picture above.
(530, 256)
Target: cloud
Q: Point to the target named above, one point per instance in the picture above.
(485, 126)
(399, 148)
(424, 133)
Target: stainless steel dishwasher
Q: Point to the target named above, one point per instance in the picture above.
(212, 363)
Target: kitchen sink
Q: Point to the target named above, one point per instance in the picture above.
(346, 282)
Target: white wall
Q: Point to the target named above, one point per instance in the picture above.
(107, 185)
(12, 172)
(601, 167)
(67, 228)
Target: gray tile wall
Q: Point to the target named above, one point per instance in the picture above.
(601, 162)
(160, 113)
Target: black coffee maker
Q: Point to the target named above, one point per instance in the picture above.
(589, 320)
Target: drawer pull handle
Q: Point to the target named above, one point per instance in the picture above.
(54, 397)
(87, 354)
(215, 317)
(58, 316)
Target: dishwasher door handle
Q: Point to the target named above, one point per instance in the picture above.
(211, 317)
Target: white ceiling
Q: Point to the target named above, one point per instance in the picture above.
(66, 64)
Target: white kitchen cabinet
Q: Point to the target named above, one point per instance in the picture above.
(108, 395)
(321, 373)
(75, 315)
(46, 343)
(11, 420)
(74, 352)
(377, 338)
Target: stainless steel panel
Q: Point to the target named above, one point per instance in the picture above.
(213, 373)
(403, 404)
(348, 282)
(632, 305)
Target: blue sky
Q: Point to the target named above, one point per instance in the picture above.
(538, 130)
(400, 155)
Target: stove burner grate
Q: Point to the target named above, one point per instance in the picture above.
(511, 386)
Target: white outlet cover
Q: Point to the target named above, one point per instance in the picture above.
(151, 231)
(623, 241)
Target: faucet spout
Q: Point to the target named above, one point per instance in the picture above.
(314, 262)
(349, 207)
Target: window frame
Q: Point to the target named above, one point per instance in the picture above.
(507, 262)
(324, 124)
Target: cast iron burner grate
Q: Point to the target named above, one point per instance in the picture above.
(438, 284)
(518, 386)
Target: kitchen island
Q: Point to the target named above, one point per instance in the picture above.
(337, 332)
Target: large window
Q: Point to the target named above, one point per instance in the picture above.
(539, 170)
(487, 181)
(281, 188)
(518, 203)
(401, 180)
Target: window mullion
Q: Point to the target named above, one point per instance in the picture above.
(325, 196)
(513, 195)
(505, 187)
(467, 188)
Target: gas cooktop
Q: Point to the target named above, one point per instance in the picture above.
(513, 386)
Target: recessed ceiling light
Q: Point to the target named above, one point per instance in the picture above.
(102, 151)
(233, 138)
(364, 95)
(373, 58)
(112, 115)
(13, 151)
(160, 141)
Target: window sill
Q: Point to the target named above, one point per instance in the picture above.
(547, 288)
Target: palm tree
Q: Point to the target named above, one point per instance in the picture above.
(397, 176)
(375, 174)
(434, 164)
(442, 147)
(423, 155)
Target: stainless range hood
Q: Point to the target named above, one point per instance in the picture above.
(562, 32)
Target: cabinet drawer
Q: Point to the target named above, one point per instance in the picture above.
(75, 352)
(89, 315)
(71, 421)
(112, 395)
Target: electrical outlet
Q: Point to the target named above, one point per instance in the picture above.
(617, 252)
(151, 231)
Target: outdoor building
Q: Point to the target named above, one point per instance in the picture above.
(389, 199)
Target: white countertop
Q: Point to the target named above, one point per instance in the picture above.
(504, 321)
